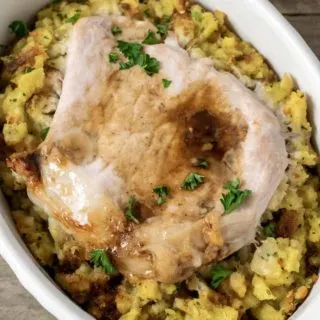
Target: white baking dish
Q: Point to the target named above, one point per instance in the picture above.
(256, 21)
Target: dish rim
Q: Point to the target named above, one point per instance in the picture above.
(33, 277)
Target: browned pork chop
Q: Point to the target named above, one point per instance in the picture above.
(120, 133)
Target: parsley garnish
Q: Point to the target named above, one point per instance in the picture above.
(19, 28)
(100, 258)
(44, 133)
(192, 181)
(147, 13)
(133, 51)
(149, 64)
(73, 19)
(114, 57)
(151, 38)
(201, 163)
(166, 83)
(130, 212)
(163, 27)
(28, 69)
(235, 197)
(162, 192)
(219, 273)
(115, 30)
(269, 230)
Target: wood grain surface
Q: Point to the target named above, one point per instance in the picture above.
(16, 303)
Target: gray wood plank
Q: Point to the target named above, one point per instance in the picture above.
(297, 6)
(309, 28)
(16, 303)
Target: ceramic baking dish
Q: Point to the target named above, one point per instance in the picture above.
(256, 21)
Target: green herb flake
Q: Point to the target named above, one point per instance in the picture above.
(44, 132)
(147, 13)
(201, 163)
(130, 212)
(73, 19)
(218, 274)
(162, 192)
(149, 64)
(166, 83)
(100, 258)
(133, 51)
(113, 57)
(115, 30)
(19, 28)
(28, 69)
(163, 27)
(269, 230)
(192, 181)
(151, 38)
(235, 197)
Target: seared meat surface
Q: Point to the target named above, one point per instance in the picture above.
(120, 133)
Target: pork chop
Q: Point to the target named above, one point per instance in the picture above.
(121, 133)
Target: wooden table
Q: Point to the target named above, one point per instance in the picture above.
(16, 303)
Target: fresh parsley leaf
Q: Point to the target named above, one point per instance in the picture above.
(269, 230)
(162, 192)
(19, 28)
(166, 83)
(74, 18)
(201, 163)
(115, 30)
(28, 69)
(127, 65)
(218, 274)
(130, 212)
(149, 64)
(114, 57)
(100, 258)
(44, 132)
(163, 27)
(192, 181)
(151, 38)
(235, 197)
(134, 52)
(131, 50)
(147, 13)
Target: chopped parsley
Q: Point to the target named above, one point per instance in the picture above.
(19, 28)
(28, 69)
(151, 38)
(149, 64)
(192, 181)
(162, 192)
(130, 212)
(201, 163)
(269, 230)
(44, 133)
(163, 27)
(235, 197)
(74, 18)
(101, 259)
(166, 83)
(147, 13)
(115, 30)
(133, 51)
(218, 274)
(114, 57)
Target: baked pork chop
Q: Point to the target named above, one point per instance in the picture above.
(120, 133)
